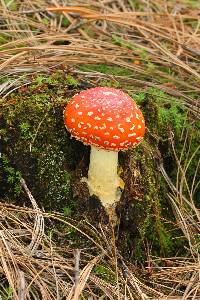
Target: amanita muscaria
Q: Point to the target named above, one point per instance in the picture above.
(108, 120)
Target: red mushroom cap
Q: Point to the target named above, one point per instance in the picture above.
(106, 118)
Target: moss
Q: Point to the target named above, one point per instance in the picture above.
(36, 143)
(110, 83)
(7, 292)
(11, 5)
(144, 210)
(11, 177)
(3, 40)
(142, 207)
(106, 69)
(192, 3)
(45, 21)
(168, 120)
(70, 80)
(104, 273)
(152, 227)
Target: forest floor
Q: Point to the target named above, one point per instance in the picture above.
(56, 241)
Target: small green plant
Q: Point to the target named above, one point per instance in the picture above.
(45, 21)
(11, 4)
(65, 22)
(13, 176)
(7, 293)
(192, 3)
(110, 83)
(3, 40)
(105, 273)
(67, 211)
(25, 130)
(70, 80)
(107, 69)
(40, 79)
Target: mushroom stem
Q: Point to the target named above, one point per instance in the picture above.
(103, 180)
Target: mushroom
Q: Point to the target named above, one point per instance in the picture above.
(108, 120)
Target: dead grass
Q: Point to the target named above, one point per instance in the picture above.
(34, 266)
(148, 38)
(148, 42)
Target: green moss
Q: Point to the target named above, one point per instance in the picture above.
(54, 80)
(45, 21)
(149, 206)
(192, 3)
(35, 132)
(70, 80)
(53, 177)
(110, 83)
(104, 273)
(6, 293)
(136, 5)
(106, 69)
(12, 176)
(3, 40)
(146, 212)
(162, 112)
(65, 22)
(166, 117)
(11, 4)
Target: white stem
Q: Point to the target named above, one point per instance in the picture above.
(103, 180)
